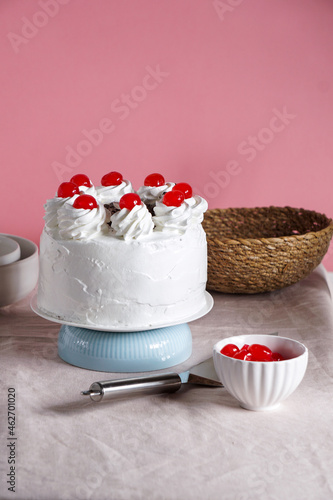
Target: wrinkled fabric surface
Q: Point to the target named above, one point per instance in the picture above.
(194, 444)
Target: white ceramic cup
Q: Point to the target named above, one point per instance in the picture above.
(10, 251)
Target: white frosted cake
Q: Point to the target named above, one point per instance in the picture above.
(110, 257)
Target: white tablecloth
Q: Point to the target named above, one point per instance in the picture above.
(194, 444)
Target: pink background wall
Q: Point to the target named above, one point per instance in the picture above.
(233, 96)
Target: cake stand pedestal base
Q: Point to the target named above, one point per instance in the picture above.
(142, 351)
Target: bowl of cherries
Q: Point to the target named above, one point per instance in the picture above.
(260, 371)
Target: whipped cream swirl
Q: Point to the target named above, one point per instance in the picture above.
(132, 224)
(80, 223)
(199, 206)
(111, 194)
(173, 219)
(52, 207)
(151, 194)
(51, 211)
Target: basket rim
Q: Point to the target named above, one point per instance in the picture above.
(272, 239)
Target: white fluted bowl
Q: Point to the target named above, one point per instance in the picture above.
(261, 385)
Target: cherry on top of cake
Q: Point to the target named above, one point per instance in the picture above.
(129, 201)
(173, 198)
(154, 180)
(85, 201)
(153, 189)
(184, 188)
(67, 190)
(81, 180)
(112, 179)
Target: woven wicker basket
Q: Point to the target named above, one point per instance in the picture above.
(253, 250)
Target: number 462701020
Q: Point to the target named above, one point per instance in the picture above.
(11, 411)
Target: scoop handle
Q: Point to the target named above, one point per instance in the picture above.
(152, 384)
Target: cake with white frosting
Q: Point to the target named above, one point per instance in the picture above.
(113, 257)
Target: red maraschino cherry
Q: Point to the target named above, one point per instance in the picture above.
(67, 190)
(129, 201)
(112, 179)
(154, 180)
(229, 350)
(173, 198)
(184, 188)
(244, 355)
(81, 180)
(260, 352)
(85, 201)
(276, 356)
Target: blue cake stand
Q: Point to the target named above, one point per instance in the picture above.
(109, 350)
(141, 351)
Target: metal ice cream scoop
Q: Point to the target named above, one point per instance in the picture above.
(202, 374)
